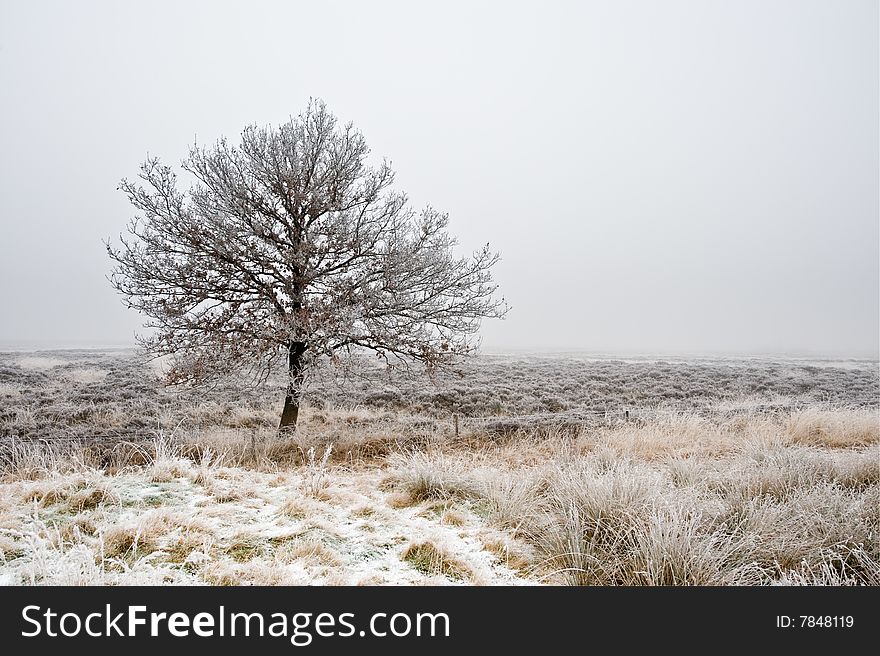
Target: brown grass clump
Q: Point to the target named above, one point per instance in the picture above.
(166, 472)
(51, 497)
(90, 498)
(424, 476)
(507, 551)
(219, 575)
(583, 524)
(226, 496)
(363, 511)
(179, 549)
(833, 429)
(674, 435)
(244, 546)
(127, 543)
(76, 494)
(159, 530)
(48, 492)
(10, 549)
(310, 551)
(509, 498)
(78, 526)
(294, 508)
(398, 500)
(452, 517)
(674, 547)
(431, 560)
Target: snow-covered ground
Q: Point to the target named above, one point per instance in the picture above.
(181, 523)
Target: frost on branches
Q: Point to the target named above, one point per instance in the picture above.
(291, 242)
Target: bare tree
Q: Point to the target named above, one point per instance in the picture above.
(291, 243)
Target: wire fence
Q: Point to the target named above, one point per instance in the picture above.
(457, 423)
(60, 435)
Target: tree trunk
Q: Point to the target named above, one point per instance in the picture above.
(296, 375)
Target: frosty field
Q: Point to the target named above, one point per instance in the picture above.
(563, 469)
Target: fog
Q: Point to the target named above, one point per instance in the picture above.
(675, 177)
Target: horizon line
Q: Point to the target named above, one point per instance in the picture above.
(34, 345)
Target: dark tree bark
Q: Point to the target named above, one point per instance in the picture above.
(296, 376)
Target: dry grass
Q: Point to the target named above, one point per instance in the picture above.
(836, 430)
(432, 560)
(127, 543)
(75, 494)
(752, 473)
(741, 503)
(420, 476)
(313, 552)
(512, 553)
(610, 510)
(294, 508)
(89, 498)
(452, 518)
(675, 435)
(244, 546)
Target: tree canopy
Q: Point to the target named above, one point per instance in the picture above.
(292, 242)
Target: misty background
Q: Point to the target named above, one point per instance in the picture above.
(675, 177)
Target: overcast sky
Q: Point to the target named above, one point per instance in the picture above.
(659, 176)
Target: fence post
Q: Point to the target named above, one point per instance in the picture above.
(455, 421)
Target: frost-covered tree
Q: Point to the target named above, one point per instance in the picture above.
(291, 244)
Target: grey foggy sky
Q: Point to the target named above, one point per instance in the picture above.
(659, 176)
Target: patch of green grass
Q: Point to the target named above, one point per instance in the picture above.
(482, 508)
